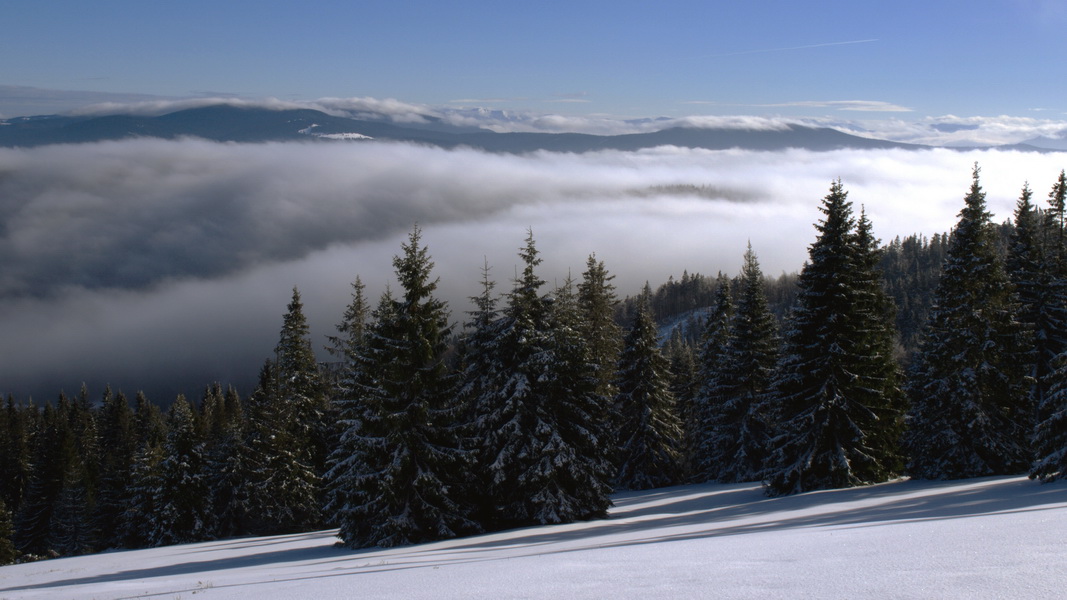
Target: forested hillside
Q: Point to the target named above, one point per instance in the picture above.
(937, 357)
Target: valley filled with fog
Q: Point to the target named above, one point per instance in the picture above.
(165, 265)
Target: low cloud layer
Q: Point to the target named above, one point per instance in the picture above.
(167, 265)
(946, 130)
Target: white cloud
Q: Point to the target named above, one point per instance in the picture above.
(125, 260)
(947, 130)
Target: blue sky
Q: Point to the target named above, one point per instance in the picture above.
(937, 72)
(898, 60)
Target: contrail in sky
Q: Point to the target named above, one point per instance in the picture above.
(765, 50)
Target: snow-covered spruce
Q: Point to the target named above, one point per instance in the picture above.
(650, 430)
(735, 423)
(401, 480)
(837, 409)
(537, 415)
(970, 410)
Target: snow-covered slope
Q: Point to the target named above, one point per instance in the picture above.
(984, 538)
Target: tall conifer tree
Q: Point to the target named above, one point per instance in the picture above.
(715, 338)
(405, 490)
(7, 547)
(286, 449)
(650, 428)
(968, 384)
(1050, 430)
(736, 426)
(834, 403)
(116, 464)
(543, 452)
(597, 300)
(182, 499)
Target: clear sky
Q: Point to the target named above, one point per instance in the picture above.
(902, 59)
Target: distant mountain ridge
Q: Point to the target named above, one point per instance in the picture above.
(227, 123)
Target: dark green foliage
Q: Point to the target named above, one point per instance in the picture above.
(968, 387)
(1050, 433)
(586, 441)
(597, 302)
(478, 377)
(302, 403)
(14, 453)
(52, 447)
(280, 485)
(142, 499)
(1031, 275)
(403, 487)
(182, 498)
(911, 268)
(71, 530)
(285, 438)
(650, 430)
(227, 463)
(544, 454)
(684, 386)
(7, 547)
(734, 421)
(1050, 429)
(116, 439)
(836, 405)
(149, 428)
(716, 337)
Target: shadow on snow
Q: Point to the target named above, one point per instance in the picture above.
(655, 516)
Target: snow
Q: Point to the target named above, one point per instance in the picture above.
(999, 537)
(333, 136)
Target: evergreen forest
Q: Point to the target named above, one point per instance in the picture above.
(940, 357)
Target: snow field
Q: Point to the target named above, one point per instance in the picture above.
(999, 537)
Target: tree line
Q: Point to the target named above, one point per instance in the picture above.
(548, 400)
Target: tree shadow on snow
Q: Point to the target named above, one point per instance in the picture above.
(713, 510)
(669, 514)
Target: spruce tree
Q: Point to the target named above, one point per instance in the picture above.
(650, 431)
(479, 374)
(52, 448)
(70, 532)
(1050, 433)
(7, 547)
(181, 500)
(736, 426)
(143, 497)
(1029, 269)
(403, 489)
(351, 482)
(149, 427)
(301, 395)
(14, 454)
(350, 333)
(684, 386)
(1050, 429)
(116, 438)
(285, 439)
(715, 338)
(877, 343)
(346, 458)
(140, 497)
(597, 300)
(834, 403)
(585, 447)
(281, 486)
(228, 467)
(543, 452)
(968, 383)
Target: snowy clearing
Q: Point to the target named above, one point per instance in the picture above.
(982, 538)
